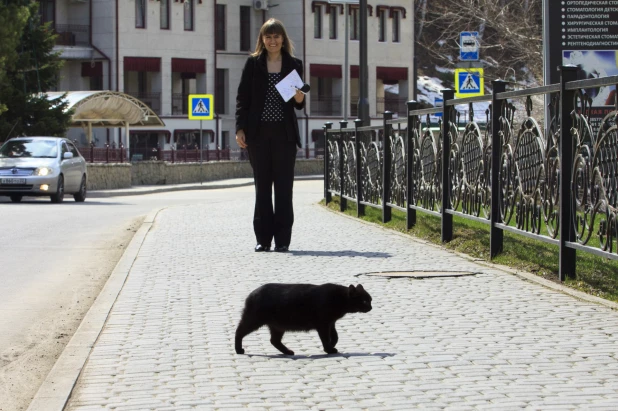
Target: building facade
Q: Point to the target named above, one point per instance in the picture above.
(161, 51)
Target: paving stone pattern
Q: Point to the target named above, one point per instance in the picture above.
(489, 341)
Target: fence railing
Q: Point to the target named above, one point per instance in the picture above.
(498, 169)
(111, 154)
(325, 105)
(72, 34)
(151, 99)
(180, 103)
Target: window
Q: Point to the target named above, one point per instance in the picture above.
(382, 29)
(96, 83)
(245, 28)
(220, 92)
(47, 10)
(317, 23)
(396, 17)
(73, 150)
(189, 8)
(220, 20)
(165, 14)
(332, 23)
(140, 14)
(354, 26)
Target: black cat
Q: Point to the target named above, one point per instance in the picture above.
(300, 307)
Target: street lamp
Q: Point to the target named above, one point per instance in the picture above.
(363, 102)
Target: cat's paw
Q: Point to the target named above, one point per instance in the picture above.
(240, 351)
(331, 350)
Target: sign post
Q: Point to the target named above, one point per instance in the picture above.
(201, 107)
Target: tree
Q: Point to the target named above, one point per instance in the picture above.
(510, 35)
(31, 69)
(12, 20)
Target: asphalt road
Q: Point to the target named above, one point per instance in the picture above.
(54, 260)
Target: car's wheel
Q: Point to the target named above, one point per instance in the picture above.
(16, 198)
(59, 196)
(80, 196)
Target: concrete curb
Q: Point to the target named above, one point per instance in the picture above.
(521, 274)
(55, 391)
(209, 185)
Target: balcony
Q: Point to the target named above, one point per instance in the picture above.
(73, 35)
(326, 105)
(152, 100)
(396, 105)
(180, 103)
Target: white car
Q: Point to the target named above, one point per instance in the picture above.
(42, 166)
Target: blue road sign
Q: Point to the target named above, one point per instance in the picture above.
(469, 82)
(438, 102)
(469, 46)
(201, 107)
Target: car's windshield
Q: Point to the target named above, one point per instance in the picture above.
(29, 148)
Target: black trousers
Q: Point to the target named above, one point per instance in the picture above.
(272, 158)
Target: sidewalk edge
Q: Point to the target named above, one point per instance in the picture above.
(521, 274)
(56, 390)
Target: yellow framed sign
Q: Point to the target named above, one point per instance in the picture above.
(201, 106)
(469, 82)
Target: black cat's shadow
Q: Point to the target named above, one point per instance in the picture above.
(340, 253)
(322, 356)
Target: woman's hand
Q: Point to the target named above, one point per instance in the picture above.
(299, 96)
(240, 139)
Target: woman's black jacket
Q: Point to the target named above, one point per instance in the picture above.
(252, 95)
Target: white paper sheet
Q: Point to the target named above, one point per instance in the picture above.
(287, 87)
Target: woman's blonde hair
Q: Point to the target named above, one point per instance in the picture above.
(273, 26)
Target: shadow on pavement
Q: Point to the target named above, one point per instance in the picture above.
(323, 356)
(342, 253)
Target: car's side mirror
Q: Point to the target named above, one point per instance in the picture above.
(67, 155)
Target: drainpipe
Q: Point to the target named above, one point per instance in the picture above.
(305, 74)
(214, 13)
(117, 50)
(117, 68)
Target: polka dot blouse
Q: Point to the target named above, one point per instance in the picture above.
(273, 106)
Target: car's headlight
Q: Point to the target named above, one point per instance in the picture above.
(43, 171)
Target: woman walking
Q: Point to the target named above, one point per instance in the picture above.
(267, 126)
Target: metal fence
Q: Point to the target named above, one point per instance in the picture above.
(503, 172)
(112, 154)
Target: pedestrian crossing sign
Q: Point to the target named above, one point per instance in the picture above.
(201, 106)
(469, 82)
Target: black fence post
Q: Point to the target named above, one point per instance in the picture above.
(343, 204)
(447, 219)
(566, 268)
(360, 208)
(386, 169)
(496, 235)
(107, 153)
(327, 195)
(92, 152)
(412, 125)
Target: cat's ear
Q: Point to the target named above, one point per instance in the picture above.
(360, 287)
(352, 289)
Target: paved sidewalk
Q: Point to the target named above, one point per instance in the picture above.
(486, 341)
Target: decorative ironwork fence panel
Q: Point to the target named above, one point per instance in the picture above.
(515, 165)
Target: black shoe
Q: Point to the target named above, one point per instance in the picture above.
(259, 248)
(282, 249)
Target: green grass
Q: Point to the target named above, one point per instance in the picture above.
(596, 276)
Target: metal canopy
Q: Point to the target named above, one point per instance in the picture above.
(108, 109)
